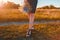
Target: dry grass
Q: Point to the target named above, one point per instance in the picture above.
(11, 15)
(7, 15)
(41, 32)
(17, 32)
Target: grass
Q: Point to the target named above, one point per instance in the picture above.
(41, 32)
(49, 31)
(7, 15)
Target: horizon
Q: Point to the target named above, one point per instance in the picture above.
(41, 3)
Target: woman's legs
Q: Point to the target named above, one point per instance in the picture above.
(31, 20)
(31, 23)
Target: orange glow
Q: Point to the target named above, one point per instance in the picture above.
(2, 2)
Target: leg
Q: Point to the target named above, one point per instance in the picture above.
(31, 22)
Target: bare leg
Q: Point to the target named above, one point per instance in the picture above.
(31, 22)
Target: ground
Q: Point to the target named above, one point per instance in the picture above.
(41, 32)
(46, 31)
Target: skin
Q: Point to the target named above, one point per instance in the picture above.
(31, 22)
(31, 18)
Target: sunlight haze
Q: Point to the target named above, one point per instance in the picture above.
(41, 3)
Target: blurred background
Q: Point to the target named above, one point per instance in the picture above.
(14, 23)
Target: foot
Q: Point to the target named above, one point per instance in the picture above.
(28, 33)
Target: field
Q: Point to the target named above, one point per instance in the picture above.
(41, 32)
(44, 31)
(7, 15)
